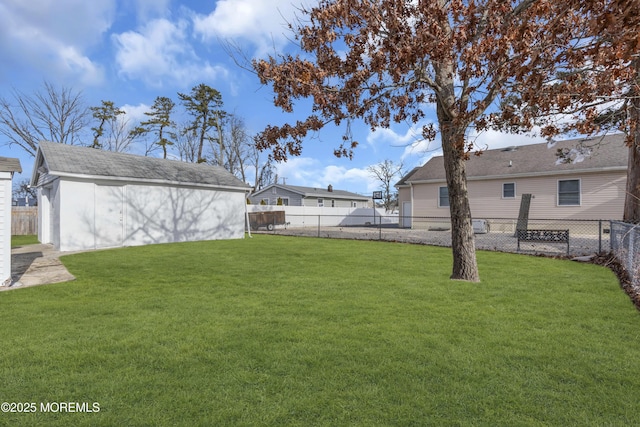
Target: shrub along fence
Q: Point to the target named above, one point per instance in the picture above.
(625, 244)
(24, 220)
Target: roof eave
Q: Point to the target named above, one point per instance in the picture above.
(148, 181)
(34, 172)
(524, 175)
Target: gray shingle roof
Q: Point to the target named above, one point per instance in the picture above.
(408, 176)
(9, 164)
(316, 192)
(68, 160)
(531, 160)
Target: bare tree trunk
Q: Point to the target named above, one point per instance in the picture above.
(632, 197)
(463, 245)
(221, 158)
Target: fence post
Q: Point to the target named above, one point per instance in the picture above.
(599, 236)
(613, 237)
(632, 241)
(318, 225)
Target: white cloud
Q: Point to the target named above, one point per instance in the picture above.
(135, 113)
(161, 52)
(55, 36)
(263, 23)
(298, 171)
(413, 150)
(491, 140)
(309, 172)
(72, 22)
(148, 9)
(350, 179)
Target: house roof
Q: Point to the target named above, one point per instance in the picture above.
(84, 162)
(9, 164)
(408, 176)
(608, 153)
(315, 192)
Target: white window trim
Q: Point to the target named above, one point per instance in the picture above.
(439, 205)
(320, 202)
(515, 190)
(579, 193)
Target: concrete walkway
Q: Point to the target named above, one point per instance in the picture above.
(34, 265)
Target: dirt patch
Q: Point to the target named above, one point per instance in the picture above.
(610, 261)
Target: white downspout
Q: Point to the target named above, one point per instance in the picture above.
(411, 198)
(246, 213)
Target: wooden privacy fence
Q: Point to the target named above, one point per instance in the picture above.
(24, 220)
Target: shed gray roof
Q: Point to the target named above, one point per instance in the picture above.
(315, 192)
(9, 164)
(609, 153)
(68, 160)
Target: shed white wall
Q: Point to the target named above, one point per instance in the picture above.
(5, 226)
(170, 214)
(95, 215)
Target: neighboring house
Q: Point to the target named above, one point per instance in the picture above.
(8, 166)
(497, 179)
(90, 199)
(293, 195)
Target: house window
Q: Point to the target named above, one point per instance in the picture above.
(354, 204)
(274, 190)
(509, 190)
(285, 201)
(443, 197)
(264, 201)
(569, 192)
(320, 202)
(333, 203)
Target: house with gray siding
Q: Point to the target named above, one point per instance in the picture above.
(591, 189)
(294, 195)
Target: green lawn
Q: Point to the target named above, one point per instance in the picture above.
(17, 241)
(279, 330)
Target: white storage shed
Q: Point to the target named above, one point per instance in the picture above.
(92, 199)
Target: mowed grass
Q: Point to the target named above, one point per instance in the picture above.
(17, 241)
(279, 330)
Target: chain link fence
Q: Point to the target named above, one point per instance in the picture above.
(625, 245)
(585, 237)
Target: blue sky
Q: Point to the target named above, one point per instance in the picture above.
(130, 52)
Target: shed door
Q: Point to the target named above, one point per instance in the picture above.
(45, 230)
(109, 229)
